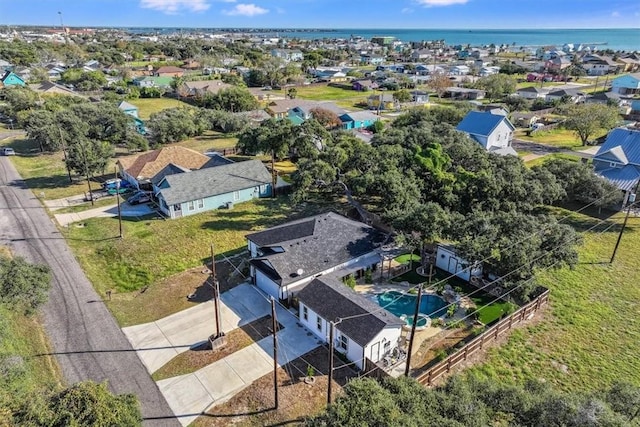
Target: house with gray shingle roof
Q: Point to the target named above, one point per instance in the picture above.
(289, 256)
(618, 159)
(373, 334)
(192, 192)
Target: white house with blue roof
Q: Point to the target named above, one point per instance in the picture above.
(493, 131)
(618, 159)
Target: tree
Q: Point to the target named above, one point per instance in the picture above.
(173, 125)
(326, 118)
(402, 95)
(23, 286)
(292, 93)
(587, 119)
(83, 404)
(41, 127)
(233, 99)
(497, 85)
(18, 99)
(438, 82)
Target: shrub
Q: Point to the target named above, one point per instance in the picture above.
(368, 276)
(441, 354)
(350, 281)
(310, 371)
(451, 311)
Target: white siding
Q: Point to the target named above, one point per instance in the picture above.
(311, 323)
(500, 137)
(354, 352)
(375, 350)
(447, 260)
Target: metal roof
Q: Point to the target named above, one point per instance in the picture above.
(624, 178)
(481, 123)
(627, 139)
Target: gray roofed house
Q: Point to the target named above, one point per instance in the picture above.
(286, 257)
(618, 159)
(192, 192)
(373, 334)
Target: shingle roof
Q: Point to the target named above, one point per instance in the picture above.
(208, 182)
(169, 69)
(210, 86)
(331, 299)
(481, 123)
(627, 139)
(314, 245)
(147, 165)
(531, 89)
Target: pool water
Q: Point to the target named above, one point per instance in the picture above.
(405, 304)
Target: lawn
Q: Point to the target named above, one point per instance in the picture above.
(148, 106)
(562, 138)
(406, 258)
(541, 160)
(154, 249)
(209, 141)
(45, 174)
(590, 336)
(345, 98)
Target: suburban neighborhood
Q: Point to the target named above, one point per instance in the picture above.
(258, 228)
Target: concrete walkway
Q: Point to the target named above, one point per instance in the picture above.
(192, 394)
(158, 342)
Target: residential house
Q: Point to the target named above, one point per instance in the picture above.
(287, 257)
(464, 93)
(557, 64)
(419, 96)
(358, 120)
(23, 72)
(627, 65)
(154, 81)
(479, 53)
(459, 70)
(532, 92)
(287, 54)
(54, 72)
(139, 169)
(599, 65)
(628, 84)
(618, 159)
(129, 109)
(570, 95)
(301, 108)
(169, 71)
(91, 65)
(421, 54)
(5, 65)
(210, 188)
(202, 88)
(365, 85)
(368, 331)
(371, 59)
(493, 131)
(50, 88)
(9, 78)
(489, 70)
(254, 116)
(524, 119)
(384, 101)
(333, 77)
(426, 70)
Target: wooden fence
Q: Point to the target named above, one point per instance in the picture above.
(493, 333)
(227, 151)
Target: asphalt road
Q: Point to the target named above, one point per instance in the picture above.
(86, 340)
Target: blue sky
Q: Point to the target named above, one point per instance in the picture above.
(423, 14)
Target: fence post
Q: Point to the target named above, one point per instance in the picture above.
(429, 377)
(466, 347)
(510, 321)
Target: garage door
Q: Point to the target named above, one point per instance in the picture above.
(267, 285)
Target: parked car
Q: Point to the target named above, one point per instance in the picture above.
(139, 198)
(7, 151)
(113, 183)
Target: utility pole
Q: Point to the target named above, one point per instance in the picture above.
(86, 170)
(274, 175)
(274, 326)
(413, 330)
(632, 199)
(216, 294)
(118, 199)
(331, 327)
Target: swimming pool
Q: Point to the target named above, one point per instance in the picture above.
(405, 304)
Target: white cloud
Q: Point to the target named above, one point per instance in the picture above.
(171, 7)
(433, 3)
(246, 10)
(406, 10)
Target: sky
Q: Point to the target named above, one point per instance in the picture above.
(420, 14)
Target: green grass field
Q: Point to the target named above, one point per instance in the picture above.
(558, 137)
(209, 141)
(148, 106)
(541, 160)
(592, 326)
(345, 98)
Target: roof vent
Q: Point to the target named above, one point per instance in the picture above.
(299, 272)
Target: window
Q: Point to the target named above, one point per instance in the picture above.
(201, 204)
(319, 323)
(612, 164)
(191, 206)
(263, 189)
(343, 342)
(305, 312)
(236, 195)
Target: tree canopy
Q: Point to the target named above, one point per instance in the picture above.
(23, 286)
(587, 119)
(470, 402)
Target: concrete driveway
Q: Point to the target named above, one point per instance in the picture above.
(158, 342)
(109, 211)
(191, 394)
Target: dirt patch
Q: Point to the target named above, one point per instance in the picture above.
(197, 358)
(254, 406)
(435, 346)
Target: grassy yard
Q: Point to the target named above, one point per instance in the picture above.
(209, 141)
(590, 336)
(154, 249)
(541, 160)
(345, 98)
(558, 137)
(148, 106)
(406, 258)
